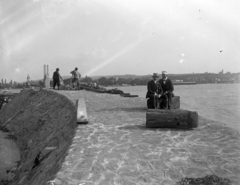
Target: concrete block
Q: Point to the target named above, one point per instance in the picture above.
(81, 111)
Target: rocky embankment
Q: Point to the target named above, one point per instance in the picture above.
(42, 124)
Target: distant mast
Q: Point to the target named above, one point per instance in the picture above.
(28, 79)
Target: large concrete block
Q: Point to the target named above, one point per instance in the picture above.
(81, 111)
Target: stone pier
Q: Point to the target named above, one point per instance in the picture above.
(115, 147)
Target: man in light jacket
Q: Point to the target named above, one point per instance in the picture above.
(76, 77)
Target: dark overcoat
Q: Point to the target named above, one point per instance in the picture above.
(153, 88)
(168, 86)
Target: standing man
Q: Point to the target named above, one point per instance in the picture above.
(56, 78)
(167, 93)
(76, 76)
(153, 92)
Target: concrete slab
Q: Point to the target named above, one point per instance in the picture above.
(81, 111)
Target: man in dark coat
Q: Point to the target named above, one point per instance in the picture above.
(153, 92)
(167, 92)
(56, 78)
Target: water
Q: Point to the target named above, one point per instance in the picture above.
(9, 156)
(9, 152)
(219, 102)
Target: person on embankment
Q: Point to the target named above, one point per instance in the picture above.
(167, 93)
(76, 77)
(153, 93)
(56, 78)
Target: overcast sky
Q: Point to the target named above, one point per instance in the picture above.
(111, 37)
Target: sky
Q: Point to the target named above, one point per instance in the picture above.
(117, 37)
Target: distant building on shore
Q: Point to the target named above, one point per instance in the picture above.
(28, 80)
(221, 72)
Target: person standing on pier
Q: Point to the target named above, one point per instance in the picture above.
(76, 77)
(56, 78)
(153, 93)
(167, 93)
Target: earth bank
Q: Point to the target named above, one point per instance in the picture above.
(42, 124)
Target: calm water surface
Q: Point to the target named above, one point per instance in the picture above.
(219, 102)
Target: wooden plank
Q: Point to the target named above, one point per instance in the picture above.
(159, 118)
(81, 111)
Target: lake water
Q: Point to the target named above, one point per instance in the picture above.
(219, 102)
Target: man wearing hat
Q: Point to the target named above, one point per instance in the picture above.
(76, 77)
(56, 78)
(153, 92)
(167, 92)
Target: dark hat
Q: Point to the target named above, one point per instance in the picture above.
(155, 75)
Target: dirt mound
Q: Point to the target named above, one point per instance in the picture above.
(42, 123)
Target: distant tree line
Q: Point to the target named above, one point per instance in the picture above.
(140, 80)
(111, 81)
(10, 84)
(16, 85)
(197, 77)
(208, 77)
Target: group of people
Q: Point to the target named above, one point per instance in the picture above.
(160, 92)
(75, 78)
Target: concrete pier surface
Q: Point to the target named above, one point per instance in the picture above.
(115, 147)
